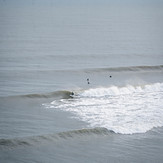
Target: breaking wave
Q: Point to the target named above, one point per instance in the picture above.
(129, 89)
(125, 110)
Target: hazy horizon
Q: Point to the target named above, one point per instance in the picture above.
(82, 2)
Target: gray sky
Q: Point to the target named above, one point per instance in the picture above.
(81, 2)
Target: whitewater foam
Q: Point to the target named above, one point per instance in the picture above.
(125, 110)
(114, 90)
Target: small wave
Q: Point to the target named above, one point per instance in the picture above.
(123, 69)
(29, 141)
(96, 131)
(109, 69)
(57, 94)
(13, 142)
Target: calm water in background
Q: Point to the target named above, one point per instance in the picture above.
(48, 51)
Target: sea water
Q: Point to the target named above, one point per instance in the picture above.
(81, 81)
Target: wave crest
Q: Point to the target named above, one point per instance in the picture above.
(28, 141)
(129, 89)
(65, 94)
(126, 69)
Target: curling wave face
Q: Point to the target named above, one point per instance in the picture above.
(125, 110)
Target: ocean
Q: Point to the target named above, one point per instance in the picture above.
(81, 82)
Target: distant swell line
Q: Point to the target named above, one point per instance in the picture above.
(121, 69)
(11, 143)
(112, 69)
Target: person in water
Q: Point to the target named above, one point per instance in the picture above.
(88, 81)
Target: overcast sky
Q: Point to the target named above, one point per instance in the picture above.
(80, 2)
